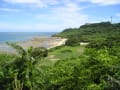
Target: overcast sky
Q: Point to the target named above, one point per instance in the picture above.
(54, 15)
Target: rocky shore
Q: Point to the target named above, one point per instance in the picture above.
(47, 42)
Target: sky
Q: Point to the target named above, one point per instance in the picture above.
(55, 15)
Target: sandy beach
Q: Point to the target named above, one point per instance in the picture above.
(47, 42)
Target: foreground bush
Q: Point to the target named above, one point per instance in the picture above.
(21, 73)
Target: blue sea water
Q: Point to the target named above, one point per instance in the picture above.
(18, 37)
(21, 36)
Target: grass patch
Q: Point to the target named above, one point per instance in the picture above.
(66, 52)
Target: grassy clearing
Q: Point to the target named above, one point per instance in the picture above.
(65, 52)
(60, 53)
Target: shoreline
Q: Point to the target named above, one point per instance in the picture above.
(37, 41)
(47, 42)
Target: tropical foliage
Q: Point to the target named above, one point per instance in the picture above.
(91, 32)
(92, 67)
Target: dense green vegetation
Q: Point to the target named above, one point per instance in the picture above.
(95, 66)
(90, 33)
(65, 52)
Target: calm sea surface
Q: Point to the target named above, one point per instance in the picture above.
(21, 36)
(18, 36)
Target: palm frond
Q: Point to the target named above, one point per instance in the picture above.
(18, 48)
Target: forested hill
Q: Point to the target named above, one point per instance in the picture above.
(92, 32)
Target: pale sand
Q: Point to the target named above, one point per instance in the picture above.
(47, 42)
(57, 43)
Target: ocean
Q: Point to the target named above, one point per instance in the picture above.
(18, 37)
(21, 36)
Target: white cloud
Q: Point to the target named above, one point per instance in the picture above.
(39, 27)
(57, 19)
(35, 3)
(9, 10)
(67, 16)
(101, 2)
(46, 3)
(106, 2)
(23, 1)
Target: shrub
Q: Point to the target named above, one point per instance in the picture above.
(39, 52)
(72, 42)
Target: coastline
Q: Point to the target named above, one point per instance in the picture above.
(43, 41)
(37, 41)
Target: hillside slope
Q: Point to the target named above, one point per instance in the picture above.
(92, 32)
